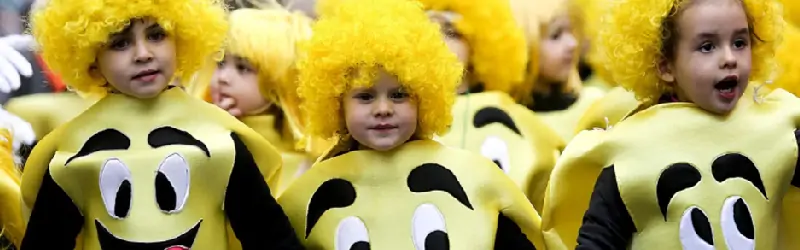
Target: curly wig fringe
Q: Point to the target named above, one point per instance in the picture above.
(71, 32)
(533, 17)
(497, 46)
(632, 42)
(788, 77)
(791, 12)
(363, 37)
(11, 207)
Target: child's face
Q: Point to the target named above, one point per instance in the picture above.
(234, 86)
(557, 52)
(711, 64)
(456, 43)
(381, 117)
(138, 61)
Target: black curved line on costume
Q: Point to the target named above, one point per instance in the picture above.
(333, 193)
(165, 136)
(108, 139)
(430, 177)
(490, 115)
(675, 178)
(109, 241)
(734, 165)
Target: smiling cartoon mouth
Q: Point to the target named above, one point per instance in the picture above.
(180, 242)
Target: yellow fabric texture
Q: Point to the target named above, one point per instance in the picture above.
(136, 118)
(497, 47)
(648, 142)
(47, 111)
(564, 122)
(10, 207)
(388, 209)
(608, 110)
(293, 160)
(527, 158)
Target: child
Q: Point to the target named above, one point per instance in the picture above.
(687, 170)
(256, 79)
(552, 86)
(147, 166)
(379, 76)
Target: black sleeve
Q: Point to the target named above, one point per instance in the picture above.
(55, 220)
(606, 224)
(255, 216)
(796, 177)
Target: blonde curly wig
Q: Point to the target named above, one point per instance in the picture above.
(365, 36)
(788, 74)
(71, 32)
(632, 42)
(497, 55)
(533, 17)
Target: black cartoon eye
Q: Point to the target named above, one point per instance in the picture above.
(428, 229)
(695, 230)
(352, 235)
(737, 224)
(115, 188)
(172, 183)
(496, 150)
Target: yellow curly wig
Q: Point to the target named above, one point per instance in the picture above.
(533, 17)
(11, 206)
(788, 77)
(632, 42)
(70, 33)
(591, 12)
(368, 35)
(791, 11)
(497, 46)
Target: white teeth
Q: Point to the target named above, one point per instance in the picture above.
(726, 90)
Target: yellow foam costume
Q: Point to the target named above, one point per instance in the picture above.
(533, 17)
(421, 193)
(47, 111)
(10, 214)
(719, 173)
(132, 173)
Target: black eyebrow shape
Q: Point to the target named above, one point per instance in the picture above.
(489, 115)
(333, 193)
(108, 139)
(735, 165)
(165, 136)
(430, 177)
(677, 177)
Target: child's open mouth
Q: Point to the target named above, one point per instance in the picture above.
(727, 87)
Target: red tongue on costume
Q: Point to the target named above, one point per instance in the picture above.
(177, 248)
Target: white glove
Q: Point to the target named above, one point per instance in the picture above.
(21, 130)
(12, 63)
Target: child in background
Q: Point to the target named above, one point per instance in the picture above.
(687, 169)
(379, 77)
(552, 87)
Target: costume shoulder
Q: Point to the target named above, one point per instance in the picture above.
(493, 125)
(570, 188)
(439, 195)
(45, 111)
(608, 110)
(565, 121)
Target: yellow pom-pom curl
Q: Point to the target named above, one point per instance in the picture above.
(365, 36)
(71, 32)
(632, 42)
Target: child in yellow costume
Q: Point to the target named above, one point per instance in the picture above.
(148, 166)
(256, 80)
(490, 122)
(552, 87)
(688, 169)
(10, 215)
(379, 76)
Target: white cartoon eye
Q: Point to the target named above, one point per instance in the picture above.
(428, 229)
(496, 150)
(696, 231)
(352, 235)
(737, 224)
(115, 188)
(172, 183)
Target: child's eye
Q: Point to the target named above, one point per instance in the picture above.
(740, 43)
(399, 95)
(706, 47)
(156, 35)
(221, 64)
(363, 96)
(243, 68)
(119, 44)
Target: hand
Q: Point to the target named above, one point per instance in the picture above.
(12, 65)
(21, 130)
(223, 102)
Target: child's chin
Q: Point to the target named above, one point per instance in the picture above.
(384, 144)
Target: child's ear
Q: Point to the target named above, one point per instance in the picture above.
(665, 71)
